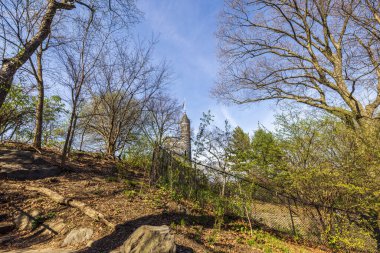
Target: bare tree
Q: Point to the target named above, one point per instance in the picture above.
(125, 82)
(319, 53)
(38, 73)
(19, 17)
(161, 118)
(79, 59)
(15, 17)
(211, 146)
(17, 30)
(37, 67)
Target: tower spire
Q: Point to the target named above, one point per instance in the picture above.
(185, 135)
(184, 106)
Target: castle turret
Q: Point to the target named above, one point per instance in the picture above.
(185, 136)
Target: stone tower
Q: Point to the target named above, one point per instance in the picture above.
(185, 136)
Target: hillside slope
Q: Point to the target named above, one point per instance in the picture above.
(128, 203)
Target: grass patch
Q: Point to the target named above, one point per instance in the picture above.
(213, 237)
(111, 179)
(130, 193)
(131, 183)
(266, 242)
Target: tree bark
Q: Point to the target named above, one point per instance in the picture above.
(40, 102)
(111, 149)
(82, 138)
(68, 136)
(72, 134)
(10, 66)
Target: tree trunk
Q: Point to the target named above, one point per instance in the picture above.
(72, 134)
(40, 103)
(68, 136)
(111, 149)
(10, 66)
(82, 139)
(14, 132)
(5, 84)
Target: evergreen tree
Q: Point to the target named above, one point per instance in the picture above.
(240, 151)
(266, 153)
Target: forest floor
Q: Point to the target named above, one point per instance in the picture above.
(128, 203)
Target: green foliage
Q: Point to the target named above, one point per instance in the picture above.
(17, 116)
(213, 237)
(130, 193)
(138, 156)
(240, 151)
(131, 165)
(267, 242)
(326, 166)
(53, 109)
(112, 117)
(330, 164)
(16, 112)
(219, 206)
(39, 220)
(53, 128)
(344, 236)
(173, 225)
(131, 183)
(267, 152)
(111, 179)
(182, 222)
(198, 234)
(257, 157)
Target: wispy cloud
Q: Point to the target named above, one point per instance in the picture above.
(227, 115)
(186, 40)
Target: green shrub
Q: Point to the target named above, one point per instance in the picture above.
(130, 193)
(40, 219)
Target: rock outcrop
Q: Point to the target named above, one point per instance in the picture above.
(150, 239)
(77, 236)
(24, 165)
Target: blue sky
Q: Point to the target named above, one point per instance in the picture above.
(186, 33)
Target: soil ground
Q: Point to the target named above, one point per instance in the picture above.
(127, 202)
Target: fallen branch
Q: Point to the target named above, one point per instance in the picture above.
(36, 149)
(56, 197)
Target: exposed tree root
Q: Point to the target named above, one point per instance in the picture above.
(56, 197)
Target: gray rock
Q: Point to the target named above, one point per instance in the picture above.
(150, 239)
(78, 236)
(24, 221)
(30, 173)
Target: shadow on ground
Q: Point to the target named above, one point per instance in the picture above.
(114, 240)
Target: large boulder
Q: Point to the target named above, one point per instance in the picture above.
(77, 236)
(150, 239)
